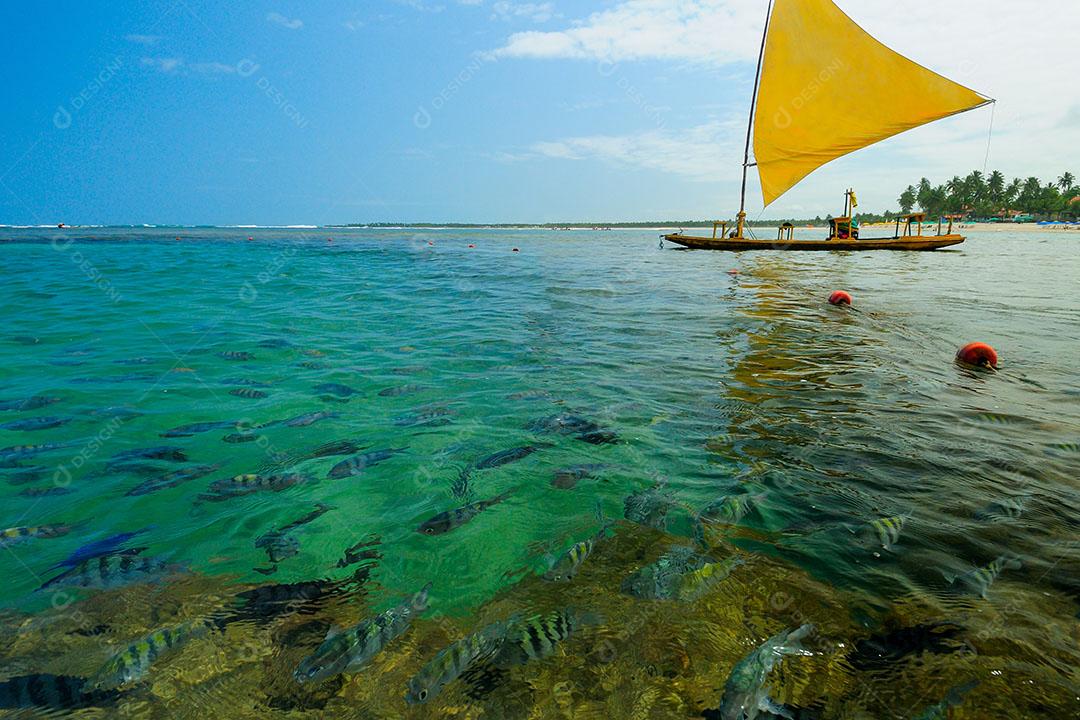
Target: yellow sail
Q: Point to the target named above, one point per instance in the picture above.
(828, 88)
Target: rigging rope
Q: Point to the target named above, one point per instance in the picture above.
(989, 136)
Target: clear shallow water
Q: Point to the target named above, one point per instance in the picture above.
(712, 384)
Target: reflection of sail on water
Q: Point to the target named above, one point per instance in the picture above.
(828, 88)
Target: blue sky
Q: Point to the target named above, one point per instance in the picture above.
(183, 111)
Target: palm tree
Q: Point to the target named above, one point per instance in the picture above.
(1066, 182)
(996, 187)
(1012, 192)
(1030, 195)
(954, 194)
(907, 199)
(922, 194)
(975, 186)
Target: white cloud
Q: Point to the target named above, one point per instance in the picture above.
(694, 154)
(421, 5)
(534, 12)
(143, 39)
(289, 23)
(715, 31)
(212, 68)
(164, 64)
(174, 66)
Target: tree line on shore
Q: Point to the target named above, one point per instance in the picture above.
(994, 196)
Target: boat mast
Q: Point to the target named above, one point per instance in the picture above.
(750, 124)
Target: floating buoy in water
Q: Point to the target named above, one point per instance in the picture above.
(977, 354)
(329, 239)
(250, 238)
(515, 250)
(839, 298)
(732, 272)
(430, 244)
(471, 245)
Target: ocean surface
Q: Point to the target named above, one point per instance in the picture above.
(739, 458)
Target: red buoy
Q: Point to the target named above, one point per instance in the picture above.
(430, 244)
(840, 298)
(732, 272)
(471, 245)
(977, 354)
(250, 238)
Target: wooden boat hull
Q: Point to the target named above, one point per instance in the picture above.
(915, 242)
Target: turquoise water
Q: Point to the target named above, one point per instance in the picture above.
(695, 383)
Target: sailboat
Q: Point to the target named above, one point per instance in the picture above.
(824, 87)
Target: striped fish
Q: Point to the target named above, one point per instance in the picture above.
(10, 536)
(745, 693)
(1006, 509)
(888, 529)
(58, 692)
(955, 696)
(40, 492)
(504, 457)
(730, 509)
(113, 570)
(172, 479)
(308, 418)
(162, 452)
(35, 402)
(247, 484)
(698, 582)
(566, 567)
(18, 452)
(449, 520)
(25, 475)
(537, 637)
(336, 447)
(358, 463)
(248, 393)
(1000, 419)
(661, 580)
(401, 390)
(35, 423)
(978, 581)
(133, 662)
(648, 507)
(349, 650)
(248, 382)
(336, 389)
(450, 663)
(196, 428)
